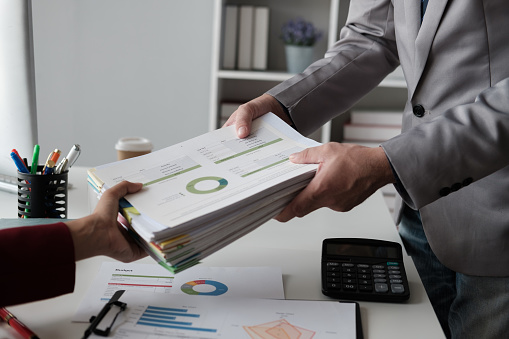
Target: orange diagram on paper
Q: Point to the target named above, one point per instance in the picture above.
(279, 329)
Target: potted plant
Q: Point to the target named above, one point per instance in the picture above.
(299, 37)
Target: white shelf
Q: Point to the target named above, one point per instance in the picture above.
(254, 75)
(241, 85)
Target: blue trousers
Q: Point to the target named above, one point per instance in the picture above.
(466, 306)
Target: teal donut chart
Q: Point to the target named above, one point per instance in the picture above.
(191, 186)
(188, 288)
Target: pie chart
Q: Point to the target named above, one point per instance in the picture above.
(204, 287)
(206, 185)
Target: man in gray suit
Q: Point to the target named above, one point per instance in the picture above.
(450, 164)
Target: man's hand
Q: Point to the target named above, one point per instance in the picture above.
(347, 175)
(101, 234)
(246, 113)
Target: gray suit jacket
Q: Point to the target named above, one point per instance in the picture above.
(453, 154)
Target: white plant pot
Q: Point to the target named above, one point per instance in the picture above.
(298, 58)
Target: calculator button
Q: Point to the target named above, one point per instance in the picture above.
(379, 271)
(380, 280)
(349, 275)
(394, 272)
(350, 281)
(334, 286)
(365, 282)
(397, 288)
(396, 281)
(378, 267)
(362, 265)
(394, 276)
(393, 267)
(378, 276)
(365, 288)
(333, 268)
(348, 265)
(381, 288)
(333, 274)
(329, 279)
(349, 270)
(364, 271)
(364, 276)
(332, 264)
(349, 287)
(392, 263)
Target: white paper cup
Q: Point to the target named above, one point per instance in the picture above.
(130, 147)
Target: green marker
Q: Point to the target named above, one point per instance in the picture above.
(35, 160)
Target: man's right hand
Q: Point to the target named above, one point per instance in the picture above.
(246, 113)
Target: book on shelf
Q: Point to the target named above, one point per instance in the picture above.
(372, 127)
(231, 19)
(245, 37)
(369, 133)
(390, 118)
(202, 194)
(245, 45)
(260, 38)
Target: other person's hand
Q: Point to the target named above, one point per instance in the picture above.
(101, 234)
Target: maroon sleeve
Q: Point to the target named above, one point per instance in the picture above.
(37, 262)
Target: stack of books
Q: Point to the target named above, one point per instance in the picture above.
(245, 37)
(202, 194)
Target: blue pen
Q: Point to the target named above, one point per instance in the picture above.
(19, 163)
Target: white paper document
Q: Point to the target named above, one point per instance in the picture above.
(198, 281)
(210, 172)
(177, 316)
(204, 193)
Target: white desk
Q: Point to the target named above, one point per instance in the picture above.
(294, 246)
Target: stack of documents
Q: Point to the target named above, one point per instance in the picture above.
(202, 194)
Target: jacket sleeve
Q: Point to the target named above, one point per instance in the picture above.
(37, 263)
(469, 143)
(357, 63)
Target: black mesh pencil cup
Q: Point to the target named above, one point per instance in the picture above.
(42, 196)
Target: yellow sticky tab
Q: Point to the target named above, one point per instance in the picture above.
(132, 210)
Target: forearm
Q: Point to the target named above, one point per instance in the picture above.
(360, 60)
(44, 254)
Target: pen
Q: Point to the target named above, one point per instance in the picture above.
(35, 159)
(17, 325)
(50, 162)
(70, 159)
(19, 163)
(56, 155)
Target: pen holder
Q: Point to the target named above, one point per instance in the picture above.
(42, 196)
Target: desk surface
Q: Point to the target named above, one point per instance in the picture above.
(294, 246)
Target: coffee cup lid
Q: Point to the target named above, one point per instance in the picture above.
(133, 144)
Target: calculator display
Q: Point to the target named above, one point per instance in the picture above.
(363, 251)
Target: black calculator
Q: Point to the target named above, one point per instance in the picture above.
(364, 270)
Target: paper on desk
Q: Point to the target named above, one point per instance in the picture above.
(180, 316)
(251, 282)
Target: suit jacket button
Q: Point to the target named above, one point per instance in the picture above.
(444, 191)
(418, 111)
(467, 181)
(455, 187)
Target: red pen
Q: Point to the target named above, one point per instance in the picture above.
(17, 325)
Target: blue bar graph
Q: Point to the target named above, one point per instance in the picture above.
(168, 318)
